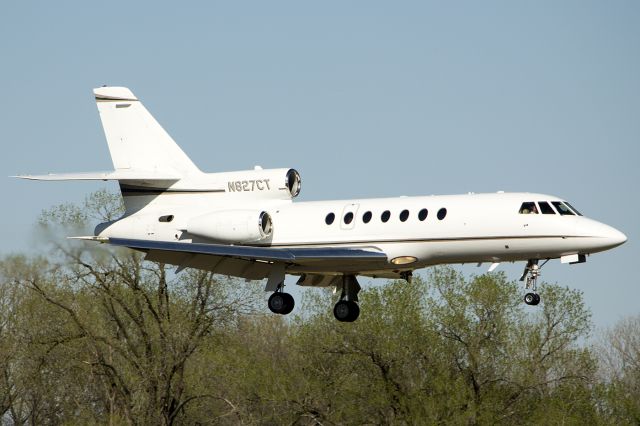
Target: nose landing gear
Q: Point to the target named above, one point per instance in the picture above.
(531, 274)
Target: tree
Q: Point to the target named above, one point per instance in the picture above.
(39, 382)
(512, 361)
(619, 351)
(447, 349)
(129, 327)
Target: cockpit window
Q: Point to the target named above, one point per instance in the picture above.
(528, 207)
(574, 209)
(562, 208)
(545, 208)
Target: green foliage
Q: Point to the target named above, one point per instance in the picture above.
(94, 335)
(100, 206)
(619, 351)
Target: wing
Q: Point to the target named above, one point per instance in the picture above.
(248, 261)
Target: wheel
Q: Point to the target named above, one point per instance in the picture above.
(346, 311)
(281, 303)
(530, 299)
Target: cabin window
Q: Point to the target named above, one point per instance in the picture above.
(385, 216)
(330, 218)
(422, 215)
(574, 209)
(545, 208)
(166, 218)
(562, 208)
(442, 213)
(348, 218)
(404, 215)
(528, 207)
(366, 218)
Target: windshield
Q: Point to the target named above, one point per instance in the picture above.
(562, 208)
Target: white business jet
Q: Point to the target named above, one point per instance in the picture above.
(245, 223)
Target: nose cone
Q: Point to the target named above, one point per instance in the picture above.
(607, 236)
(598, 236)
(614, 238)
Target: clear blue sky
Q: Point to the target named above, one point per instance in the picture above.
(365, 99)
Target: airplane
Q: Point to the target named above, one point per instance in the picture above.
(245, 223)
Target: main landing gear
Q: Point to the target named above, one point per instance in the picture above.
(281, 302)
(347, 309)
(531, 274)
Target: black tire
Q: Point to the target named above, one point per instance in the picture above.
(346, 311)
(281, 303)
(537, 297)
(530, 298)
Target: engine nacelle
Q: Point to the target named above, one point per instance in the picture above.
(232, 226)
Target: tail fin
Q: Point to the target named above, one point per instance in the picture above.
(136, 141)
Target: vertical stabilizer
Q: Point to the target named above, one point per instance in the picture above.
(136, 141)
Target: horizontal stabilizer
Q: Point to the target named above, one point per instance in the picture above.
(114, 175)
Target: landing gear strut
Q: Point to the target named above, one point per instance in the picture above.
(347, 309)
(531, 274)
(281, 302)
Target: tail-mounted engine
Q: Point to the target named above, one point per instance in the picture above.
(233, 226)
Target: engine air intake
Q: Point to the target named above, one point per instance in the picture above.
(293, 182)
